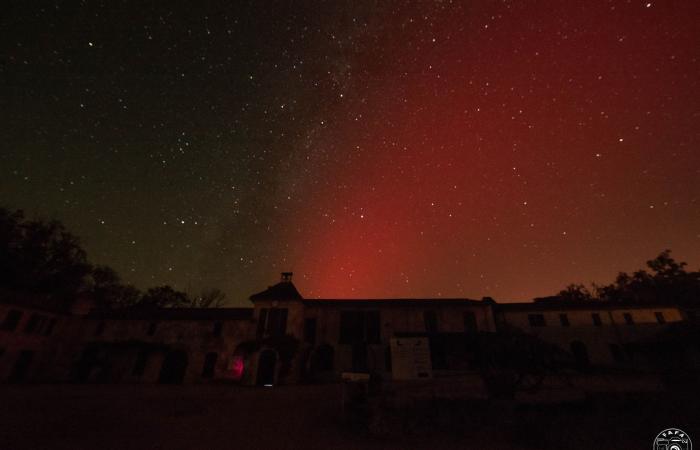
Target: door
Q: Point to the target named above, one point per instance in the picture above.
(266, 367)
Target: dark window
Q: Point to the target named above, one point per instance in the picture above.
(373, 327)
(218, 327)
(351, 327)
(360, 327)
(564, 319)
(2, 352)
(616, 352)
(152, 328)
(140, 365)
(100, 328)
(277, 321)
(431, 321)
(12, 320)
(262, 318)
(470, 322)
(50, 327)
(209, 365)
(536, 320)
(660, 317)
(596, 319)
(310, 331)
(628, 318)
(387, 358)
(32, 324)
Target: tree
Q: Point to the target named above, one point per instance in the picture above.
(108, 291)
(42, 257)
(665, 281)
(209, 298)
(164, 297)
(575, 292)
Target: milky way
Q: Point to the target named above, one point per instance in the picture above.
(500, 149)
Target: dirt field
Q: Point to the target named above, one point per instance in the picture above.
(308, 417)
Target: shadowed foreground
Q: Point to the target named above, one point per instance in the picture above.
(188, 417)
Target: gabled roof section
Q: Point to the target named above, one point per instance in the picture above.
(284, 290)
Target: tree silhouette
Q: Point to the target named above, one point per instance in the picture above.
(43, 257)
(40, 257)
(665, 281)
(209, 298)
(108, 291)
(164, 297)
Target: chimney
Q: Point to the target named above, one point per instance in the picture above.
(287, 277)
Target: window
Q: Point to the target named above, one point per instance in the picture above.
(373, 331)
(660, 317)
(277, 321)
(431, 321)
(360, 327)
(218, 328)
(351, 327)
(100, 328)
(140, 365)
(596, 319)
(152, 328)
(2, 352)
(12, 320)
(209, 365)
(536, 320)
(628, 319)
(564, 320)
(310, 331)
(50, 327)
(262, 318)
(32, 324)
(470, 322)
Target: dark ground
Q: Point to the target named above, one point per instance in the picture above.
(308, 417)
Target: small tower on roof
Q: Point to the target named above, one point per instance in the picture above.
(286, 277)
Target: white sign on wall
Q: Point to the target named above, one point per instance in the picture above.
(410, 358)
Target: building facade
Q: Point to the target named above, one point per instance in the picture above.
(285, 338)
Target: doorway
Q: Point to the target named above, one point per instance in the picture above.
(266, 367)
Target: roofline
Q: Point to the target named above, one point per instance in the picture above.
(535, 306)
(391, 301)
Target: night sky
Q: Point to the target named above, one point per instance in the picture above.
(488, 148)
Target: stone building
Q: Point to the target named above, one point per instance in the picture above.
(596, 333)
(285, 338)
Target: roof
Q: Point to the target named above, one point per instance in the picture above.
(284, 290)
(175, 314)
(393, 302)
(575, 305)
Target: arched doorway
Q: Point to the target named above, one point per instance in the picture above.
(266, 367)
(580, 353)
(173, 369)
